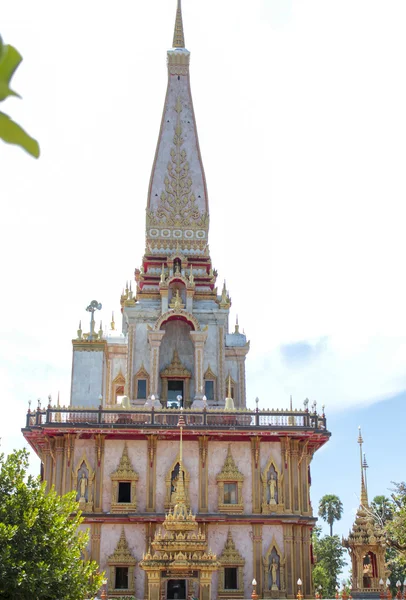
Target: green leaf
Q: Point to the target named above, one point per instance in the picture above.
(10, 58)
(12, 133)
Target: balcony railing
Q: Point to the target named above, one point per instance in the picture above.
(147, 418)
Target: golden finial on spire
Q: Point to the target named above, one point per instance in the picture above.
(178, 35)
(101, 330)
(237, 327)
(79, 332)
(364, 497)
(112, 324)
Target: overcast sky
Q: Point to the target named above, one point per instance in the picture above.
(300, 108)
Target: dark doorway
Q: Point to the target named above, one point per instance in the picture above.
(176, 589)
(175, 388)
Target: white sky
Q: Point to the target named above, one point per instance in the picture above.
(300, 108)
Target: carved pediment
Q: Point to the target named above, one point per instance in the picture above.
(230, 554)
(122, 554)
(230, 471)
(209, 374)
(125, 471)
(176, 369)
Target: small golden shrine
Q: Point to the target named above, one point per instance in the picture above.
(366, 546)
(179, 556)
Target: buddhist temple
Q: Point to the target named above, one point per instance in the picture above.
(185, 491)
(366, 546)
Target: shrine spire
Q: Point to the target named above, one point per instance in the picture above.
(364, 496)
(178, 34)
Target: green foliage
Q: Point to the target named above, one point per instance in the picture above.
(330, 509)
(329, 556)
(390, 515)
(10, 131)
(40, 545)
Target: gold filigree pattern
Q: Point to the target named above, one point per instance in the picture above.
(178, 207)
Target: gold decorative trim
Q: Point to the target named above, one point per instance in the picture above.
(230, 474)
(231, 558)
(118, 381)
(173, 314)
(142, 373)
(124, 473)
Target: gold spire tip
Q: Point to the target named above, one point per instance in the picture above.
(178, 34)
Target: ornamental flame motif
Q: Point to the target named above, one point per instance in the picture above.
(178, 206)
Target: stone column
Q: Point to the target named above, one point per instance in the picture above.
(48, 460)
(164, 299)
(256, 475)
(98, 485)
(155, 339)
(151, 470)
(199, 338)
(203, 474)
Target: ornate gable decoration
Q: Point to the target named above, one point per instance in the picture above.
(125, 474)
(230, 471)
(176, 369)
(230, 554)
(122, 554)
(230, 474)
(177, 207)
(209, 374)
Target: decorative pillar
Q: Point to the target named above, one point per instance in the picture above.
(129, 384)
(298, 554)
(59, 452)
(257, 556)
(48, 458)
(199, 338)
(95, 537)
(164, 298)
(205, 585)
(203, 474)
(221, 393)
(155, 339)
(154, 584)
(304, 479)
(151, 471)
(290, 571)
(241, 380)
(98, 493)
(286, 465)
(189, 299)
(306, 561)
(256, 475)
(294, 473)
(67, 471)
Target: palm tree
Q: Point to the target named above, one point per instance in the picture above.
(330, 509)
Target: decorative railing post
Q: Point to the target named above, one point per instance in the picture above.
(99, 414)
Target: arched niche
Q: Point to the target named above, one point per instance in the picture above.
(274, 571)
(272, 488)
(171, 480)
(117, 387)
(83, 482)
